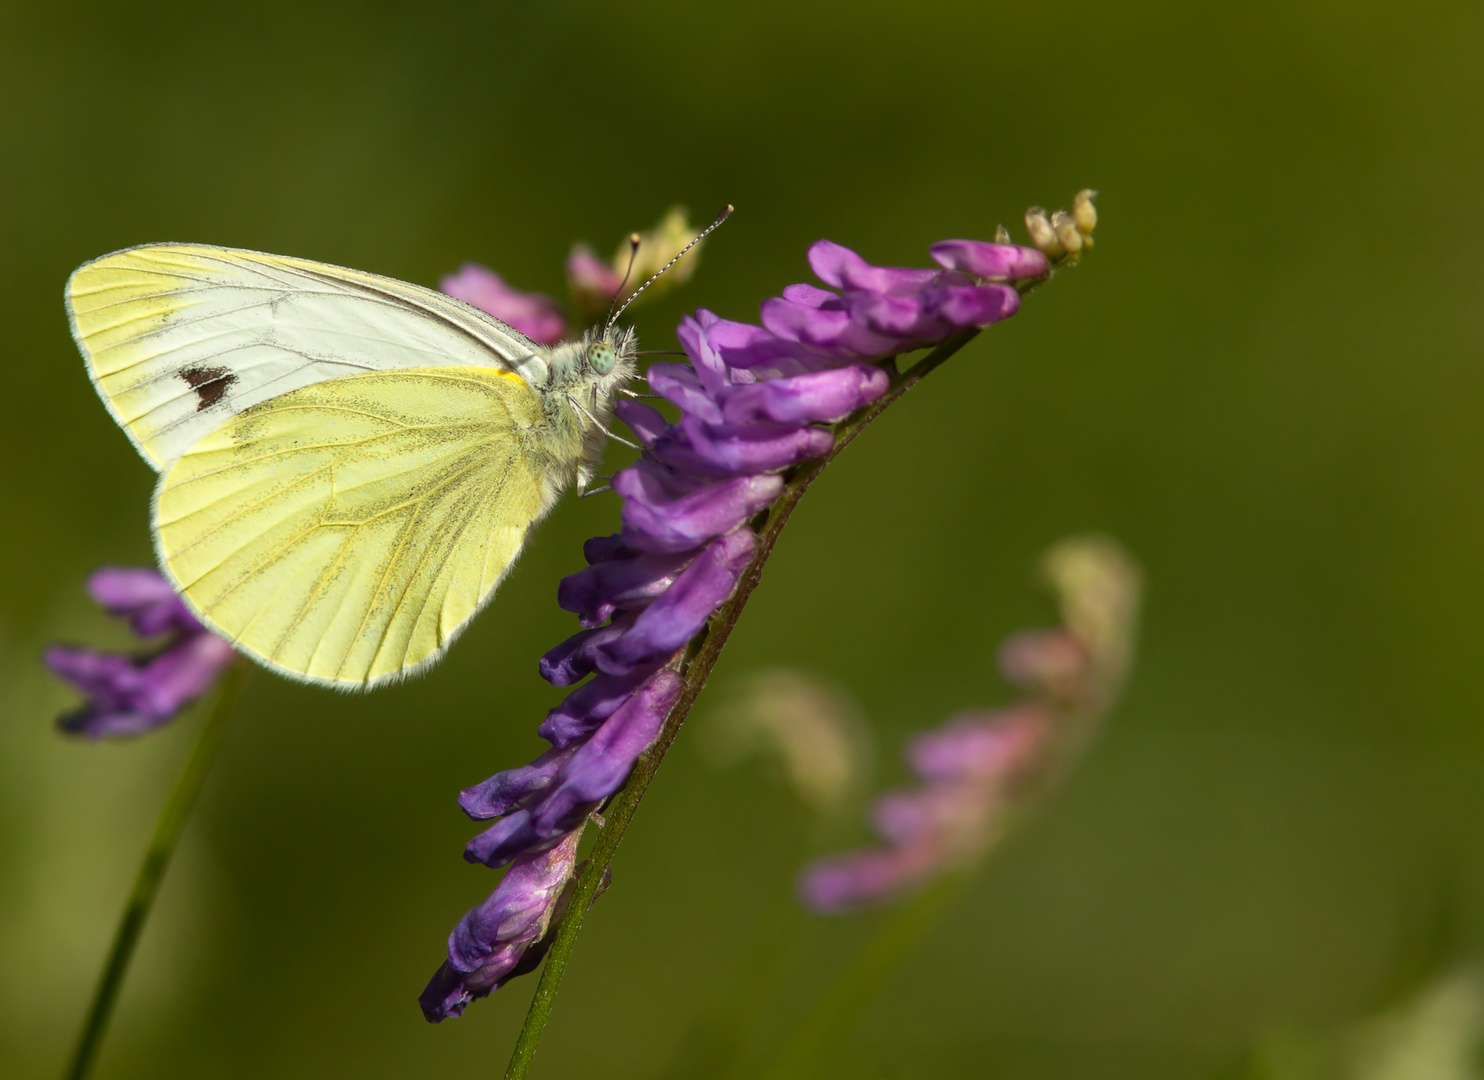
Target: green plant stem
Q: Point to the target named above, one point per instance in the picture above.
(695, 668)
(840, 1009)
(152, 871)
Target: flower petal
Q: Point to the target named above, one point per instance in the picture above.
(688, 521)
(144, 597)
(596, 592)
(536, 316)
(1008, 261)
(675, 618)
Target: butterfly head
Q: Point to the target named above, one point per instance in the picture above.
(608, 359)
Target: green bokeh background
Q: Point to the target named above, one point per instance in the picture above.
(1267, 382)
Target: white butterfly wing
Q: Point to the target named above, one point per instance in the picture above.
(180, 338)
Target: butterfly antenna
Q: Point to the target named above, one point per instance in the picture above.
(707, 231)
(633, 253)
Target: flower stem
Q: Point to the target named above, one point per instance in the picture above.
(152, 871)
(695, 668)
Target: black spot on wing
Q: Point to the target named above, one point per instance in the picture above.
(210, 383)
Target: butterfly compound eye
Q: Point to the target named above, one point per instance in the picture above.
(601, 358)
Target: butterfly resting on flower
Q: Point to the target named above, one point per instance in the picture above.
(349, 464)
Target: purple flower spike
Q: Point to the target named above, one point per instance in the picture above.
(537, 317)
(129, 694)
(1006, 262)
(752, 401)
(495, 941)
(980, 766)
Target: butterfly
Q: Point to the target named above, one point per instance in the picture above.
(348, 464)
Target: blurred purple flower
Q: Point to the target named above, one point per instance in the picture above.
(536, 316)
(593, 282)
(981, 766)
(131, 694)
(751, 402)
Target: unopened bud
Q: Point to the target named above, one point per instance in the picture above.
(1066, 231)
(1084, 212)
(1002, 235)
(1042, 235)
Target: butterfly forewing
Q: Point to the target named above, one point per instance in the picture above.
(180, 337)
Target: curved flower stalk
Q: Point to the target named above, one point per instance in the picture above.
(760, 407)
(980, 768)
(130, 694)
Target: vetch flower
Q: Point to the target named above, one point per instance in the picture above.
(997, 262)
(981, 767)
(753, 402)
(1085, 213)
(1043, 233)
(810, 727)
(536, 316)
(595, 284)
(501, 937)
(131, 694)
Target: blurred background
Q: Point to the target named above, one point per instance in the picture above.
(1266, 381)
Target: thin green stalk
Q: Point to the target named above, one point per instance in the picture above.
(152, 871)
(840, 1009)
(694, 668)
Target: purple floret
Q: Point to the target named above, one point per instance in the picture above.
(129, 693)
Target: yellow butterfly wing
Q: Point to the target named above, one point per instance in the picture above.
(180, 337)
(343, 533)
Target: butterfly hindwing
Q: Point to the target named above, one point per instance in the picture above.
(345, 531)
(181, 337)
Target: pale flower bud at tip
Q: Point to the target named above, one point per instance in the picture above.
(1084, 212)
(1042, 235)
(1066, 231)
(1002, 235)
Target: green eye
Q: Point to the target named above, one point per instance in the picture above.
(601, 358)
